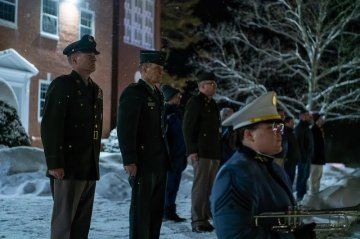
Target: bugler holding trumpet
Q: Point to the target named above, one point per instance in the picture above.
(250, 183)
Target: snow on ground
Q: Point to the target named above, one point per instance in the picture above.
(26, 204)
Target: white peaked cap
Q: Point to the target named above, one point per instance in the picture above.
(261, 109)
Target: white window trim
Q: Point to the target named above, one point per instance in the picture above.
(93, 21)
(46, 34)
(46, 82)
(129, 6)
(9, 24)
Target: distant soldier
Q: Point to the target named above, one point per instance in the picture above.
(306, 147)
(318, 160)
(141, 135)
(71, 132)
(175, 139)
(201, 129)
(291, 153)
(227, 136)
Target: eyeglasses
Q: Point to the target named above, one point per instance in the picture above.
(212, 83)
(278, 128)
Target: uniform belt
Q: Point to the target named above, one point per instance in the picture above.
(96, 134)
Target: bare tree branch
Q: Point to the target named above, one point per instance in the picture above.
(307, 50)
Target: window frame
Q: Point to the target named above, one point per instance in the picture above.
(139, 23)
(92, 21)
(42, 14)
(7, 23)
(40, 100)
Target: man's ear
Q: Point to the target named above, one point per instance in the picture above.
(73, 58)
(146, 67)
(248, 135)
(200, 85)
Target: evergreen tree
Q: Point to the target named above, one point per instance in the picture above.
(178, 35)
(12, 133)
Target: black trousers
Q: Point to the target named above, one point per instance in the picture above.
(147, 203)
(172, 188)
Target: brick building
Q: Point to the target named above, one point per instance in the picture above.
(33, 34)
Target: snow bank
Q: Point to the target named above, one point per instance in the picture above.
(23, 169)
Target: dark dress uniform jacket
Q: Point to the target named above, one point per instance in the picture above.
(249, 184)
(291, 152)
(71, 127)
(319, 147)
(175, 137)
(292, 149)
(140, 127)
(305, 141)
(201, 127)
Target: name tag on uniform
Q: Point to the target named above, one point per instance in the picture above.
(100, 94)
(151, 104)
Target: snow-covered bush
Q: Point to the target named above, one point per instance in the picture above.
(12, 133)
(111, 144)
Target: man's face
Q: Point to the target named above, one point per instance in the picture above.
(153, 73)
(176, 99)
(290, 124)
(321, 121)
(226, 113)
(267, 137)
(306, 117)
(208, 87)
(84, 62)
(282, 114)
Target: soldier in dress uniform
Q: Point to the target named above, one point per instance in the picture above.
(71, 132)
(250, 182)
(141, 135)
(201, 127)
(177, 150)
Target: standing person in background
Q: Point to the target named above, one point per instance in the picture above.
(280, 157)
(306, 147)
(250, 182)
(281, 112)
(177, 150)
(201, 129)
(227, 136)
(292, 154)
(141, 135)
(190, 89)
(71, 132)
(318, 160)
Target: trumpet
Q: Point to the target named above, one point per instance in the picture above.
(328, 220)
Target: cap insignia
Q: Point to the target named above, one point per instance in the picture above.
(274, 100)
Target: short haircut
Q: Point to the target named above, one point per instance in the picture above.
(288, 118)
(227, 111)
(240, 133)
(316, 116)
(303, 111)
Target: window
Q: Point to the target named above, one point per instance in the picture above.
(87, 23)
(139, 23)
(49, 18)
(43, 86)
(8, 13)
